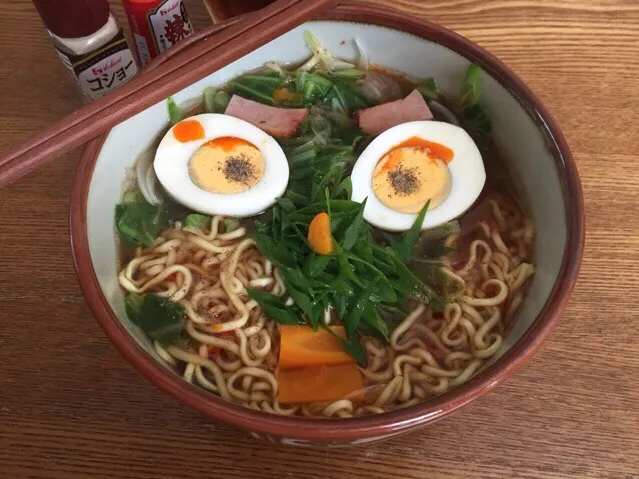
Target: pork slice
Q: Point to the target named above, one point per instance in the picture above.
(280, 122)
(380, 118)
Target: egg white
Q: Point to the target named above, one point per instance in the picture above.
(172, 169)
(466, 169)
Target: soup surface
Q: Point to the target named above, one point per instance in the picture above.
(353, 244)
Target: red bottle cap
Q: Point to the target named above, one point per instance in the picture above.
(73, 18)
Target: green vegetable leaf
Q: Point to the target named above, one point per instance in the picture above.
(304, 303)
(313, 87)
(139, 222)
(346, 96)
(353, 346)
(344, 189)
(126, 240)
(198, 221)
(215, 101)
(406, 283)
(363, 247)
(297, 198)
(346, 269)
(478, 118)
(260, 88)
(372, 318)
(316, 264)
(317, 126)
(404, 248)
(331, 178)
(274, 251)
(429, 89)
(476, 122)
(471, 87)
(444, 284)
(288, 206)
(354, 315)
(176, 114)
(295, 277)
(274, 307)
(161, 319)
(355, 229)
(222, 100)
(208, 95)
(340, 303)
(349, 73)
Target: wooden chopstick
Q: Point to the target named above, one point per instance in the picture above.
(184, 68)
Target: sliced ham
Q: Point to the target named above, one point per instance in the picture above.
(380, 118)
(279, 122)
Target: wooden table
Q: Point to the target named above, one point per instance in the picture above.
(70, 407)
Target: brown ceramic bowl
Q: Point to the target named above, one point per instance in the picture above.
(524, 129)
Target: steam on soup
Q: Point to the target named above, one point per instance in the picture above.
(328, 240)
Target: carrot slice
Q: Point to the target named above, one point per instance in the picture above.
(319, 234)
(188, 130)
(300, 347)
(318, 384)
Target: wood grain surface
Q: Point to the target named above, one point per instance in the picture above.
(70, 407)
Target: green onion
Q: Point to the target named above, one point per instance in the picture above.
(355, 229)
(429, 89)
(256, 87)
(274, 307)
(208, 94)
(221, 101)
(471, 87)
(198, 221)
(176, 114)
(349, 73)
(404, 248)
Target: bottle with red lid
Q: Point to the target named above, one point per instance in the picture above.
(91, 44)
(156, 25)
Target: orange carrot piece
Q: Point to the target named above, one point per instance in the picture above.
(188, 130)
(319, 234)
(300, 347)
(318, 384)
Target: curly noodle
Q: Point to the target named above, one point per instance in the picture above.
(233, 350)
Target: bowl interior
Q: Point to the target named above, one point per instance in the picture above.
(515, 130)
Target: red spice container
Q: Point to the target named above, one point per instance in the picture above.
(156, 25)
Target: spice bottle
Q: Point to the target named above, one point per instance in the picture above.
(156, 25)
(91, 44)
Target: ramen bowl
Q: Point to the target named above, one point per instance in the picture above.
(523, 128)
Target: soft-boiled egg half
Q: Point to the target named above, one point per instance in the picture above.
(218, 164)
(413, 163)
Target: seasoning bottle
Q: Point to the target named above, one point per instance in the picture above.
(91, 44)
(156, 25)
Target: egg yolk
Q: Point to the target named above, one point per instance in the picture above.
(410, 175)
(226, 165)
